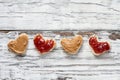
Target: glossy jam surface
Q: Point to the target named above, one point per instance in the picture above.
(98, 47)
(43, 45)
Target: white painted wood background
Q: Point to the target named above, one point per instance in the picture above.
(49, 17)
(59, 14)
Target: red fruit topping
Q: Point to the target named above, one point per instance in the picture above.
(43, 45)
(98, 47)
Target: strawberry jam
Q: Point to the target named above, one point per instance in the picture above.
(98, 47)
(43, 45)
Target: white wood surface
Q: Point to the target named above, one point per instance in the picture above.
(50, 17)
(57, 65)
(59, 14)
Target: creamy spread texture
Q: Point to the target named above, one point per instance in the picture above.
(72, 45)
(19, 45)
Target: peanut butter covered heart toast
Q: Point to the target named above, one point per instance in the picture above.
(72, 45)
(19, 45)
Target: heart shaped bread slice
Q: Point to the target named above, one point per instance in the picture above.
(98, 47)
(72, 45)
(19, 45)
(42, 45)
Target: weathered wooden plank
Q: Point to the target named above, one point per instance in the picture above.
(57, 65)
(77, 16)
(59, 15)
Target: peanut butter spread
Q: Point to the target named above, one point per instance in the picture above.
(72, 45)
(19, 45)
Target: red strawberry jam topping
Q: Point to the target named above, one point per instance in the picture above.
(43, 45)
(98, 47)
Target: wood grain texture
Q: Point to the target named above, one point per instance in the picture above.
(57, 19)
(57, 65)
(60, 14)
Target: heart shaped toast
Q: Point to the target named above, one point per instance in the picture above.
(43, 45)
(72, 45)
(19, 45)
(98, 47)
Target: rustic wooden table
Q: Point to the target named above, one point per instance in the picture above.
(57, 19)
